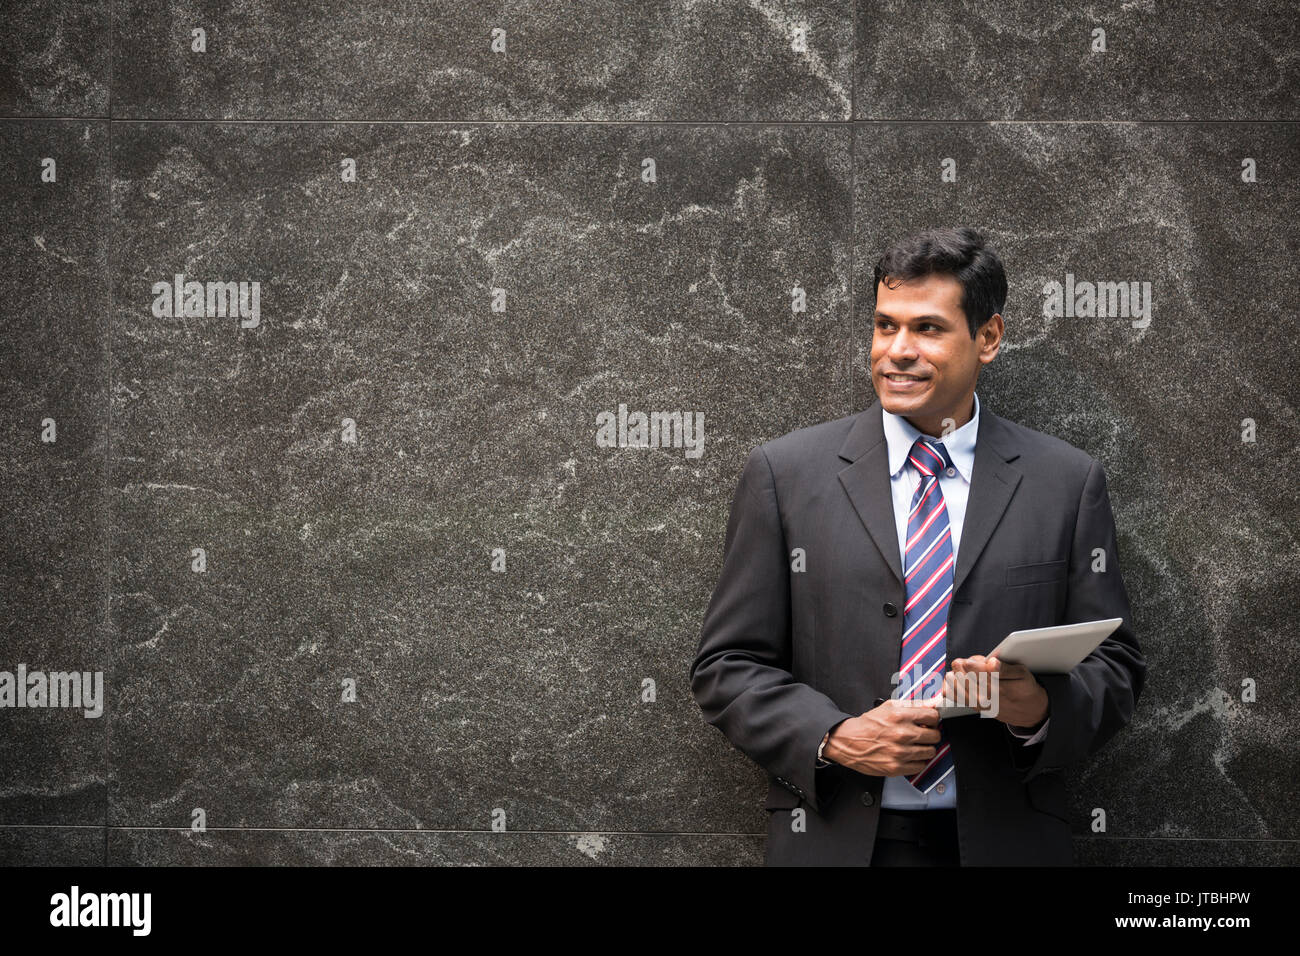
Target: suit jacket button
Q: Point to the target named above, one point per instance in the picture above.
(868, 799)
(890, 609)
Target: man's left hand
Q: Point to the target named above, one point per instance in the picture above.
(1021, 700)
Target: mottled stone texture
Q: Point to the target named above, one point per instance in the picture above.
(54, 569)
(520, 695)
(155, 847)
(55, 58)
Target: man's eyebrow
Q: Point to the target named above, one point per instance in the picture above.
(919, 318)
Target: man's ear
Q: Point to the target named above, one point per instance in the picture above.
(989, 338)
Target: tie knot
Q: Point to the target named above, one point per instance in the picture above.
(929, 456)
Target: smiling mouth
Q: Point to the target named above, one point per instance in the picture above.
(898, 377)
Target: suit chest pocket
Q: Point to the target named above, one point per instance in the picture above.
(1046, 572)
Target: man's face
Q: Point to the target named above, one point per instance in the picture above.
(920, 332)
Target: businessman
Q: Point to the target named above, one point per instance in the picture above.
(870, 566)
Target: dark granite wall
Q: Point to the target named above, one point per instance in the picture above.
(790, 140)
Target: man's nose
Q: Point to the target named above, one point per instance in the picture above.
(902, 346)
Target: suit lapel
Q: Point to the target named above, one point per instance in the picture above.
(993, 481)
(866, 481)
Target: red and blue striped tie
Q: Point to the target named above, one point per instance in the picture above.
(927, 576)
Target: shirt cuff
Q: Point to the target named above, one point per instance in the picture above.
(1028, 738)
(821, 761)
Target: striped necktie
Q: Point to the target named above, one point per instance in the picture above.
(928, 577)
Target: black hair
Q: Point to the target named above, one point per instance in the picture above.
(958, 252)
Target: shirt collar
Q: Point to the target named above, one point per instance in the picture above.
(901, 435)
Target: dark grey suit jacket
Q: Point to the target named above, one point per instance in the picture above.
(785, 655)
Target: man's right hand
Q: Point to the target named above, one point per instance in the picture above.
(895, 738)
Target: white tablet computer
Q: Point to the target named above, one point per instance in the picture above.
(1047, 650)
